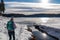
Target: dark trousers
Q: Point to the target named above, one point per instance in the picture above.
(11, 34)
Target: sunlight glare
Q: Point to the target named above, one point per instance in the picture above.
(44, 35)
(45, 3)
(44, 20)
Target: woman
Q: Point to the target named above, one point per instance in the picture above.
(11, 29)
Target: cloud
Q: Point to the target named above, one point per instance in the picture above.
(24, 4)
(17, 7)
(21, 4)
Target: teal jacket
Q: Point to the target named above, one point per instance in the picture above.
(10, 25)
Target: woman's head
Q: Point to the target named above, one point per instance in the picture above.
(11, 19)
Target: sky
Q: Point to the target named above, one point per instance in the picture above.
(22, 0)
(35, 1)
(55, 1)
(31, 5)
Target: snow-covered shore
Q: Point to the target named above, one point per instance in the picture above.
(20, 32)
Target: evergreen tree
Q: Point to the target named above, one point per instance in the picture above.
(2, 6)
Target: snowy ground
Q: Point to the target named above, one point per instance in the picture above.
(21, 32)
